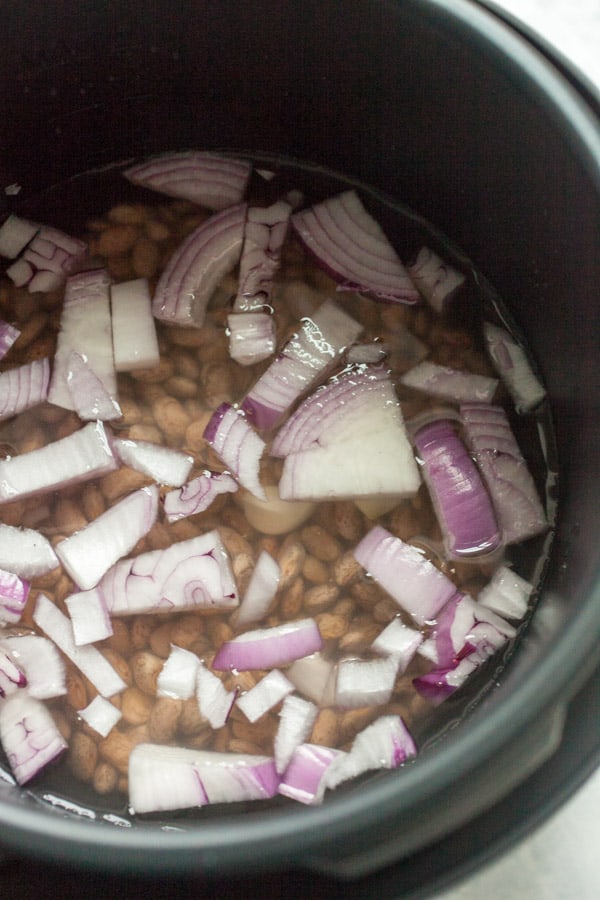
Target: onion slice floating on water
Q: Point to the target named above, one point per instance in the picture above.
(91, 400)
(24, 387)
(265, 694)
(12, 676)
(399, 641)
(89, 616)
(47, 260)
(463, 627)
(385, 744)
(506, 594)
(511, 363)
(314, 677)
(162, 464)
(365, 682)
(260, 591)
(462, 503)
(197, 266)
(214, 700)
(348, 243)
(266, 648)
(234, 440)
(208, 179)
(29, 736)
(305, 777)
(435, 279)
(198, 494)
(178, 676)
(251, 337)
(163, 778)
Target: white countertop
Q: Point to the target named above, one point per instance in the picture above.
(559, 861)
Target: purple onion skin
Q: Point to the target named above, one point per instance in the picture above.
(262, 417)
(215, 421)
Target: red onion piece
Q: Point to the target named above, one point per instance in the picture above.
(265, 694)
(365, 682)
(41, 662)
(29, 736)
(264, 235)
(88, 659)
(49, 257)
(23, 387)
(251, 337)
(462, 504)
(101, 715)
(164, 778)
(135, 344)
(437, 685)
(350, 245)
(314, 677)
(385, 744)
(88, 554)
(410, 579)
(14, 592)
(163, 464)
(196, 267)
(234, 440)
(192, 574)
(197, 495)
(178, 676)
(260, 592)
(8, 335)
(89, 616)
(267, 648)
(434, 279)
(15, 234)
(296, 720)
(208, 179)
(25, 552)
(85, 327)
(506, 594)
(78, 457)
(399, 641)
(457, 632)
(305, 777)
(511, 363)
(505, 472)
(12, 677)
(91, 400)
(450, 384)
(304, 359)
(348, 440)
(214, 701)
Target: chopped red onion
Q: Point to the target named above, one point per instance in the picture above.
(505, 472)
(462, 628)
(260, 592)
(437, 685)
(23, 387)
(266, 694)
(511, 363)
(365, 682)
(135, 344)
(208, 179)
(252, 337)
(191, 574)
(234, 440)
(178, 676)
(399, 641)
(347, 440)
(88, 659)
(91, 400)
(29, 736)
(314, 676)
(8, 335)
(14, 592)
(462, 504)
(197, 266)
(350, 245)
(385, 744)
(264, 235)
(163, 464)
(305, 777)
(296, 720)
(101, 715)
(47, 260)
(165, 778)
(41, 662)
(411, 580)
(15, 234)
(89, 616)
(214, 701)
(435, 279)
(85, 327)
(25, 552)
(274, 515)
(12, 677)
(303, 360)
(266, 648)
(197, 495)
(85, 454)
(450, 384)
(88, 554)
(506, 594)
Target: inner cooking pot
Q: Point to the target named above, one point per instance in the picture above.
(437, 104)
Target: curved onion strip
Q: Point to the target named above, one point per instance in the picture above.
(234, 440)
(348, 243)
(197, 266)
(264, 235)
(260, 591)
(208, 179)
(266, 648)
(197, 495)
(24, 387)
(385, 744)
